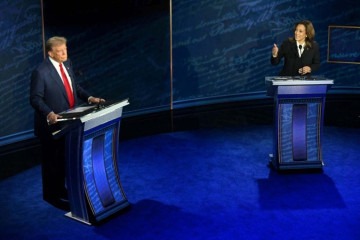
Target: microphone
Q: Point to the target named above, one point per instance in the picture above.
(300, 47)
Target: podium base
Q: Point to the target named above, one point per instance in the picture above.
(100, 218)
(295, 165)
(69, 214)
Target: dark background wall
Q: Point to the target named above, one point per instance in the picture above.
(122, 49)
(20, 50)
(222, 48)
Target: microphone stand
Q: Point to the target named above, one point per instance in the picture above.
(302, 76)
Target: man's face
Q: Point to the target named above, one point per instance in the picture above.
(59, 53)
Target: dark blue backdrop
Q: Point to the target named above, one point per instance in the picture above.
(220, 49)
(344, 44)
(20, 49)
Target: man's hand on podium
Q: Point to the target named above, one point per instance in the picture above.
(95, 100)
(52, 118)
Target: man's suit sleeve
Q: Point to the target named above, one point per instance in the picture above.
(37, 87)
(82, 93)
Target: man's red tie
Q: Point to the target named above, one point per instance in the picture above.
(67, 87)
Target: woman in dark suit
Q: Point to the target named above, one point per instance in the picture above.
(301, 53)
(48, 97)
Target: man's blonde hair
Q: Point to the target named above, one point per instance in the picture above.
(54, 41)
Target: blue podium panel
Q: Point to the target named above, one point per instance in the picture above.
(299, 113)
(101, 179)
(92, 177)
(299, 132)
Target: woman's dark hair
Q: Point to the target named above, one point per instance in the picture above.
(310, 32)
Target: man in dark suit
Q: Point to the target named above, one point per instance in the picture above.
(53, 90)
(301, 53)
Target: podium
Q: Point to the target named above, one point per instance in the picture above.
(298, 121)
(92, 174)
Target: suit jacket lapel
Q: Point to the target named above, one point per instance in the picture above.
(57, 79)
(295, 49)
(306, 51)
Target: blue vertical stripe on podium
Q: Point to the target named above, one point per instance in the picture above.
(313, 131)
(90, 186)
(110, 163)
(299, 132)
(100, 176)
(285, 132)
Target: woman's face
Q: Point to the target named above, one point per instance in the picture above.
(300, 33)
